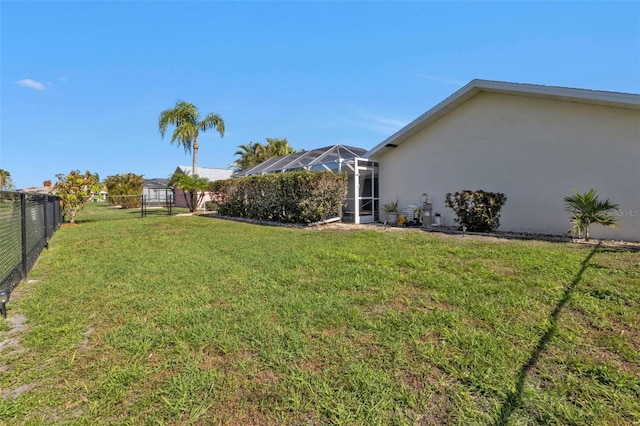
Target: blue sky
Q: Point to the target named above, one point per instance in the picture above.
(83, 83)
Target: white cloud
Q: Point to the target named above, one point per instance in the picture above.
(31, 84)
(374, 122)
(446, 80)
(62, 79)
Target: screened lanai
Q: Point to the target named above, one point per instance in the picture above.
(362, 204)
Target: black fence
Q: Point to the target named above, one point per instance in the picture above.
(27, 222)
(157, 201)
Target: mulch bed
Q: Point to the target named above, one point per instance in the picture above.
(446, 230)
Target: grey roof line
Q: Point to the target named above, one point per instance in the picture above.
(567, 94)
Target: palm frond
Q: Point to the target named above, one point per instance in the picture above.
(587, 209)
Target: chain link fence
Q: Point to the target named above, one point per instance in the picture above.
(27, 222)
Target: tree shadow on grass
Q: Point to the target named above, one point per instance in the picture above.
(514, 399)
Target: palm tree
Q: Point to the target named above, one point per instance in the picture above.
(586, 209)
(254, 153)
(250, 154)
(186, 119)
(278, 147)
(5, 180)
(193, 188)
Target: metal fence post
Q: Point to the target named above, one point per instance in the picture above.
(23, 226)
(57, 212)
(45, 205)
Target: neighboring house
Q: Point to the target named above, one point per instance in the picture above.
(204, 172)
(40, 190)
(533, 143)
(157, 191)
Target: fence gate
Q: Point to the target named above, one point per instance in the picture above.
(157, 202)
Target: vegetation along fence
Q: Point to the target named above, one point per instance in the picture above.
(27, 222)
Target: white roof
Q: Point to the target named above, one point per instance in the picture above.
(566, 94)
(304, 159)
(206, 172)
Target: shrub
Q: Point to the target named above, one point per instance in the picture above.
(293, 197)
(477, 211)
(124, 190)
(75, 190)
(211, 206)
(587, 209)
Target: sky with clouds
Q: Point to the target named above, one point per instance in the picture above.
(82, 83)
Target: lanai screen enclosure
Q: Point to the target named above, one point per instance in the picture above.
(362, 204)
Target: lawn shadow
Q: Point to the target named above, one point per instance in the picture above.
(514, 398)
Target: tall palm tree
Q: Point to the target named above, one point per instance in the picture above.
(186, 119)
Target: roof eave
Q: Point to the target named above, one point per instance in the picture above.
(594, 97)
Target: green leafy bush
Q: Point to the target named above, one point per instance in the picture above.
(124, 190)
(477, 211)
(211, 206)
(293, 197)
(75, 190)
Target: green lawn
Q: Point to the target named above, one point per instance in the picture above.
(193, 320)
(100, 211)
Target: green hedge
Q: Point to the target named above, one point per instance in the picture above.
(300, 196)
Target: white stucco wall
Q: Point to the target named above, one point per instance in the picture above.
(535, 151)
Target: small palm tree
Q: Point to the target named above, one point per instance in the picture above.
(186, 119)
(586, 209)
(193, 188)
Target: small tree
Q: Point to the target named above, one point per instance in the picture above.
(586, 209)
(477, 211)
(5, 180)
(193, 188)
(75, 190)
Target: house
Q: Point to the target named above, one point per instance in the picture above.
(533, 143)
(157, 191)
(210, 174)
(37, 190)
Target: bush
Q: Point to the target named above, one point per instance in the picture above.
(211, 206)
(293, 197)
(477, 211)
(124, 190)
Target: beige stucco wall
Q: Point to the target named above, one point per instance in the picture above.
(536, 151)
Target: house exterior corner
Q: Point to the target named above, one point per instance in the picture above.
(534, 149)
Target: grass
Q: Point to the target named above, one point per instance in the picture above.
(191, 320)
(100, 211)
